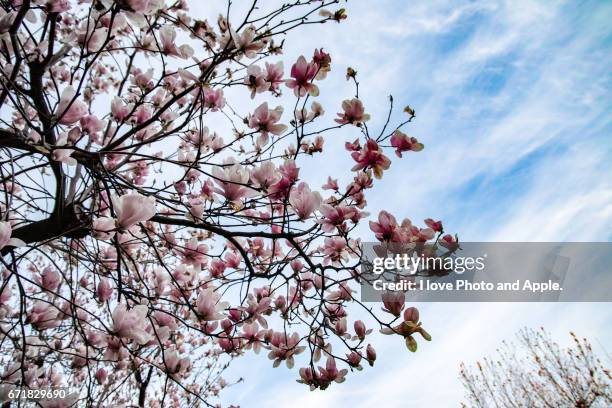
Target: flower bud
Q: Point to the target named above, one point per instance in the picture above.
(353, 359)
(104, 291)
(235, 315)
(101, 376)
(227, 325)
(280, 302)
(370, 354)
(411, 315)
(360, 329)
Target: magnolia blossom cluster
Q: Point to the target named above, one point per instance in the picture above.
(144, 249)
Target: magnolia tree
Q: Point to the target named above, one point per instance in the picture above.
(142, 248)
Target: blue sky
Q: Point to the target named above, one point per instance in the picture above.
(513, 104)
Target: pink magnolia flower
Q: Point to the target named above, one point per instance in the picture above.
(43, 315)
(115, 350)
(184, 274)
(281, 303)
(386, 229)
(165, 319)
(142, 79)
(245, 41)
(434, 225)
(140, 6)
(323, 60)
(69, 109)
(95, 40)
(403, 143)
(133, 208)
(142, 114)
(274, 75)
(232, 181)
(138, 9)
(119, 23)
(161, 278)
(167, 36)
(253, 336)
(50, 279)
(213, 99)
(393, 302)
(119, 109)
(91, 124)
(208, 306)
(176, 366)
(449, 242)
(108, 258)
(74, 135)
(131, 324)
(194, 253)
(315, 147)
(180, 187)
(332, 184)
(341, 328)
(159, 97)
(217, 267)
(63, 155)
(342, 292)
(57, 6)
(331, 373)
(196, 209)
(302, 74)
(257, 307)
(302, 116)
(371, 156)
(104, 290)
(257, 247)
(309, 377)
(284, 347)
(10, 187)
(423, 234)
(265, 175)
(255, 80)
(233, 260)
(408, 327)
(228, 344)
(317, 109)
(289, 172)
(264, 121)
(335, 251)
(303, 201)
(138, 171)
(354, 146)
(335, 216)
(353, 112)
(104, 228)
(5, 236)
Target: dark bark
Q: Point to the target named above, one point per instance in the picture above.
(68, 225)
